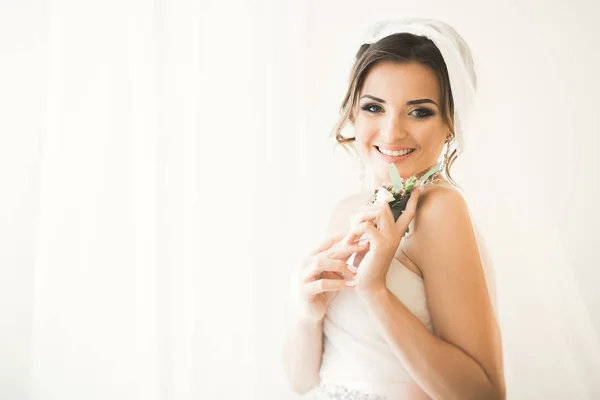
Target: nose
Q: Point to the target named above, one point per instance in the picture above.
(393, 129)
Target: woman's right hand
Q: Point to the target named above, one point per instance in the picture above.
(322, 275)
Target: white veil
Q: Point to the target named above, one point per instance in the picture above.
(550, 347)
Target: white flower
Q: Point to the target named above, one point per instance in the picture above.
(383, 195)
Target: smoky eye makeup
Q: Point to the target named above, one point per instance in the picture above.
(420, 113)
(372, 108)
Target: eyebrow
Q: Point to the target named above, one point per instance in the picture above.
(408, 103)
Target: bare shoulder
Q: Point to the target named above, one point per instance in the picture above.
(440, 209)
(438, 198)
(339, 222)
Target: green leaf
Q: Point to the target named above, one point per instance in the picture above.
(395, 177)
(410, 184)
(432, 171)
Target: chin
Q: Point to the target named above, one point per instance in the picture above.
(405, 165)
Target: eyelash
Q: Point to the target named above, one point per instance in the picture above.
(426, 111)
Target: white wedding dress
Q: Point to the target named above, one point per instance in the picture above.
(357, 363)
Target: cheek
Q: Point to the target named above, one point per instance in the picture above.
(365, 132)
(430, 137)
(364, 142)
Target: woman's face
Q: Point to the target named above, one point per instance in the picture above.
(398, 109)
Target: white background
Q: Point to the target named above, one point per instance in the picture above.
(164, 165)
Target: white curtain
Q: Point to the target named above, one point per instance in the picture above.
(145, 146)
(163, 166)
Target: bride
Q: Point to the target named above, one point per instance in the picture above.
(415, 317)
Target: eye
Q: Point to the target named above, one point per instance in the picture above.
(372, 108)
(422, 113)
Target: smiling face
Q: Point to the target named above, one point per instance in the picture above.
(398, 109)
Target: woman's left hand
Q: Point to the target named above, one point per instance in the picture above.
(376, 224)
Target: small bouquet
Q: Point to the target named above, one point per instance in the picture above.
(397, 192)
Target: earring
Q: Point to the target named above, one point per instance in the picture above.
(449, 141)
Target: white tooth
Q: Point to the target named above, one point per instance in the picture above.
(395, 153)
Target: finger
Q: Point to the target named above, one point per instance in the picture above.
(408, 214)
(354, 236)
(366, 229)
(326, 285)
(379, 214)
(341, 251)
(359, 257)
(370, 214)
(327, 243)
(386, 218)
(332, 275)
(324, 264)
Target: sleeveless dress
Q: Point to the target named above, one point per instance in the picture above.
(357, 363)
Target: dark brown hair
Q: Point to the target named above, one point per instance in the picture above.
(402, 48)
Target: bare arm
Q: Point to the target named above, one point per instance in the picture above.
(302, 354)
(464, 359)
(303, 347)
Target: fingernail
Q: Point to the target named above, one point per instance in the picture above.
(352, 268)
(350, 283)
(362, 242)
